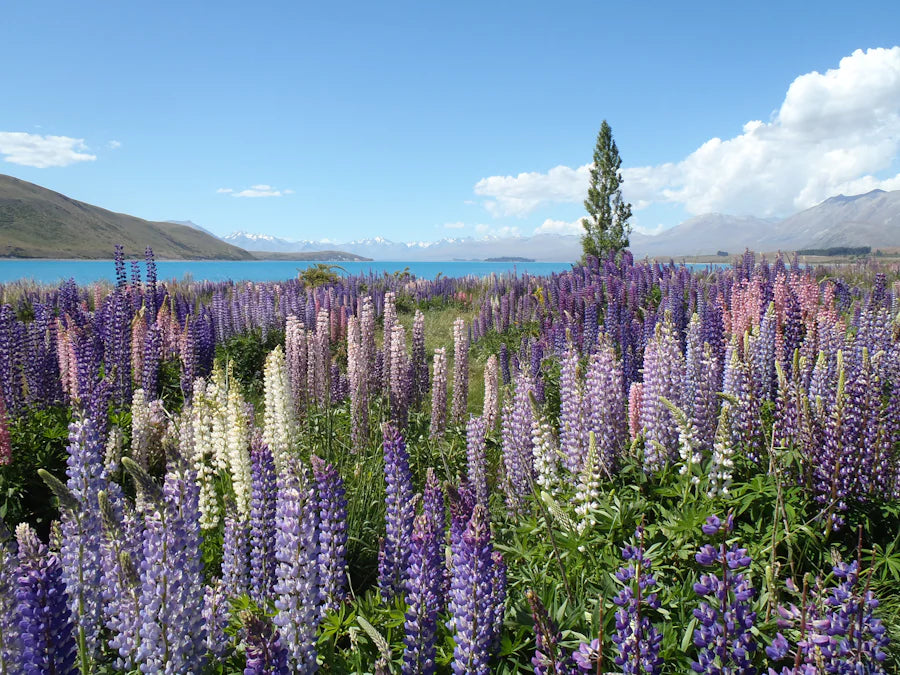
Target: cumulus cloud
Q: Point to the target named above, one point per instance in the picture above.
(551, 226)
(261, 190)
(113, 145)
(835, 132)
(40, 151)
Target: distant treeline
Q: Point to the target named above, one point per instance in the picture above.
(837, 250)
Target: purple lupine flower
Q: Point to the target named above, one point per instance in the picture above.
(550, 658)
(572, 428)
(332, 505)
(425, 582)
(297, 551)
(745, 427)
(516, 422)
(262, 522)
(45, 623)
(419, 360)
(838, 629)
(393, 558)
(215, 618)
(360, 378)
(723, 638)
(663, 378)
(121, 584)
(5, 441)
(639, 641)
(173, 639)
(460, 371)
(439, 393)
(265, 653)
(151, 281)
(475, 458)
(604, 404)
(504, 363)
(235, 554)
(82, 528)
(472, 600)
(399, 381)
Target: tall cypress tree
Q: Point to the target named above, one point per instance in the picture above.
(606, 228)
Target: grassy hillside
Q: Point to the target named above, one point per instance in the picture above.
(39, 223)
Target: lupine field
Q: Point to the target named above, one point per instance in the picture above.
(625, 468)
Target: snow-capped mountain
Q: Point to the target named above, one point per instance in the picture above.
(551, 248)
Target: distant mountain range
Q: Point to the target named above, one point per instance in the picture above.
(36, 222)
(872, 219)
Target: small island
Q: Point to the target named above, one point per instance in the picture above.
(509, 259)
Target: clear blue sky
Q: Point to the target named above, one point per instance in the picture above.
(401, 119)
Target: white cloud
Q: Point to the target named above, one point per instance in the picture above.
(551, 226)
(835, 132)
(454, 226)
(522, 194)
(42, 152)
(113, 145)
(260, 190)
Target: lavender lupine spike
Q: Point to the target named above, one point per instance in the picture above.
(723, 638)
(425, 583)
(663, 378)
(491, 408)
(172, 632)
(638, 640)
(82, 528)
(393, 558)
(399, 381)
(121, 584)
(235, 554)
(265, 653)
(604, 404)
(516, 424)
(460, 371)
(550, 658)
(472, 597)
(332, 505)
(439, 393)
(262, 522)
(297, 552)
(359, 385)
(45, 625)
(572, 427)
(475, 458)
(389, 319)
(419, 361)
(215, 618)
(5, 441)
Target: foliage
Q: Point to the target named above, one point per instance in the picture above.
(606, 228)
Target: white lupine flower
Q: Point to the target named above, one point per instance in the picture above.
(720, 475)
(546, 454)
(278, 427)
(588, 490)
(237, 443)
(491, 409)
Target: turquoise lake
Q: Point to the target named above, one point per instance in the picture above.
(87, 271)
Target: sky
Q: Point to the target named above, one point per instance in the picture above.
(416, 121)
